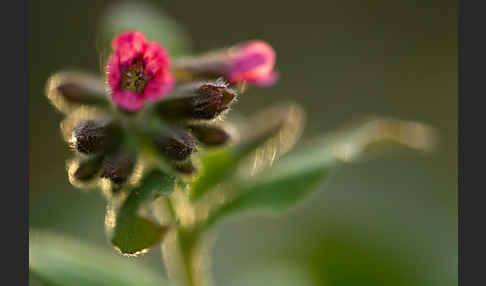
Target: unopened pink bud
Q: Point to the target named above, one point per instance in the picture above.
(252, 62)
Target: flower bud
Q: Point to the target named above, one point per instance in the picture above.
(68, 90)
(185, 167)
(197, 101)
(118, 166)
(96, 135)
(176, 144)
(87, 168)
(210, 135)
(251, 62)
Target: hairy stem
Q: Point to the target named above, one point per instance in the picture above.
(184, 252)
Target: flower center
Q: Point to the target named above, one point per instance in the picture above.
(134, 77)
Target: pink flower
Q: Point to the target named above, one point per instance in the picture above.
(137, 71)
(251, 62)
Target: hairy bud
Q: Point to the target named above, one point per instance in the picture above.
(210, 135)
(118, 166)
(185, 167)
(69, 90)
(95, 136)
(88, 168)
(197, 101)
(176, 144)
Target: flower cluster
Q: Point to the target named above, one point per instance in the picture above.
(149, 103)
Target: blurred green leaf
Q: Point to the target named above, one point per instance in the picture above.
(144, 17)
(59, 260)
(295, 175)
(132, 233)
(35, 279)
(277, 193)
(343, 257)
(272, 272)
(219, 165)
(268, 134)
(290, 180)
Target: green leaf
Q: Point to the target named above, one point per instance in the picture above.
(58, 260)
(297, 174)
(144, 17)
(278, 193)
(132, 233)
(290, 180)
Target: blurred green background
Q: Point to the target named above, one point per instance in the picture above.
(386, 221)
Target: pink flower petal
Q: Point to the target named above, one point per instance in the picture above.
(253, 62)
(156, 58)
(113, 72)
(127, 100)
(159, 86)
(266, 80)
(129, 45)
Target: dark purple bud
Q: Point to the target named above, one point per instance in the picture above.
(176, 144)
(197, 101)
(97, 135)
(88, 168)
(118, 166)
(210, 135)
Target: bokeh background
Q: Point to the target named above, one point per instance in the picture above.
(386, 221)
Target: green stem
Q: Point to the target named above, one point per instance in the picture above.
(181, 250)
